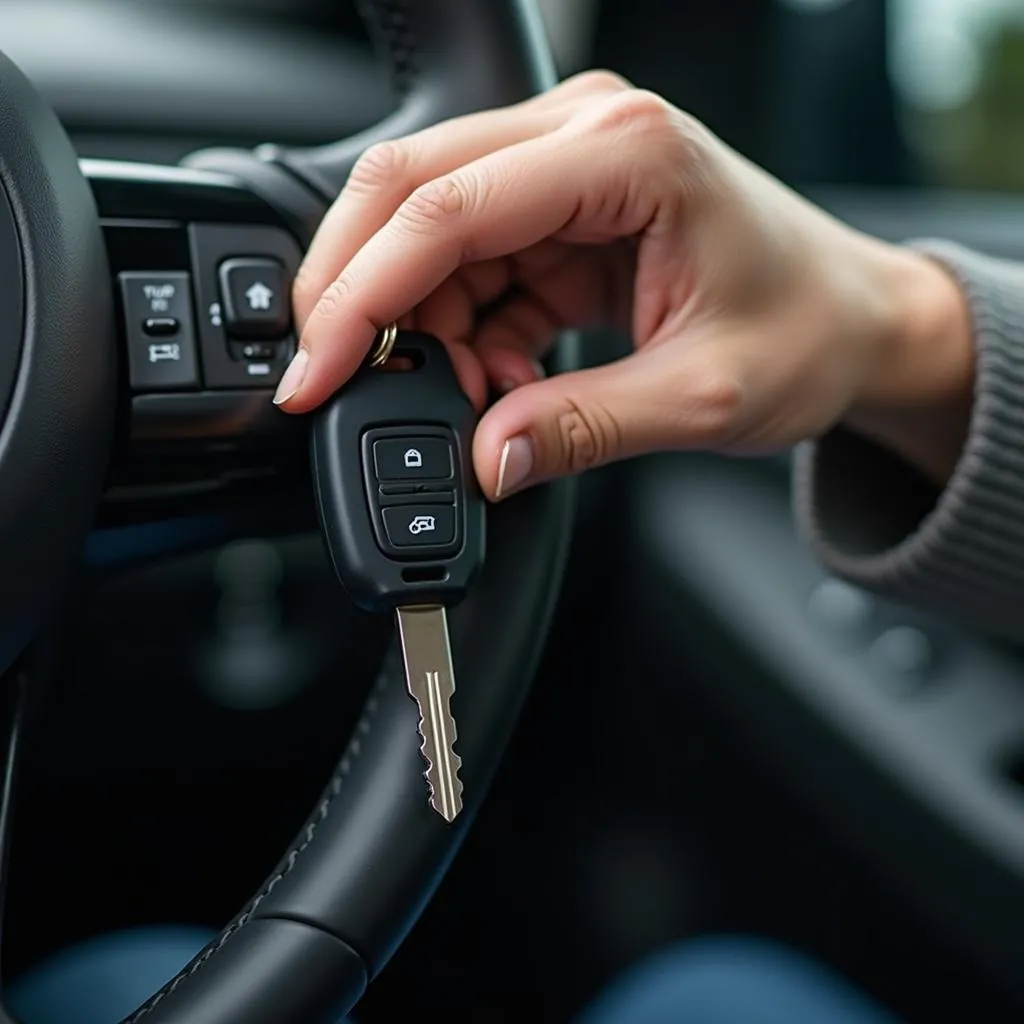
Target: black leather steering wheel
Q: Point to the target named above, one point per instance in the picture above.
(348, 889)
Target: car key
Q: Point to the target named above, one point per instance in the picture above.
(403, 519)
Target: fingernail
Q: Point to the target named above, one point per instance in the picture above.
(538, 369)
(515, 466)
(507, 385)
(291, 380)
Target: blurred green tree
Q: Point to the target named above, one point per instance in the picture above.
(980, 145)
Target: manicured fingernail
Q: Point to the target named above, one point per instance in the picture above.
(515, 466)
(538, 369)
(291, 380)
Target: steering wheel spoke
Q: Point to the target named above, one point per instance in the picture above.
(445, 62)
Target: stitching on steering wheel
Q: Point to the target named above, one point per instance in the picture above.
(391, 672)
(388, 21)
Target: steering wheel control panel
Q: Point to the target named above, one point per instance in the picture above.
(200, 271)
(220, 319)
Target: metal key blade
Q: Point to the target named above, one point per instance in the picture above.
(423, 633)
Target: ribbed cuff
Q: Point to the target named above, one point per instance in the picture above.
(874, 520)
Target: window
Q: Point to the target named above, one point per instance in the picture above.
(958, 71)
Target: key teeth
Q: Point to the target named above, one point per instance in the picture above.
(436, 800)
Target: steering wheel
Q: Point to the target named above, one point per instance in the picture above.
(109, 416)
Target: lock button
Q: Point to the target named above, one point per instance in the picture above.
(414, 482)
(412, 459)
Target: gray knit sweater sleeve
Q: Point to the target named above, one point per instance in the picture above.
(872, 519)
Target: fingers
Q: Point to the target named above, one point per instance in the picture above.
(470, 372)
(507, 201)
(655, 400)
(510, 368)
(450, 312)
(562, 286)
(387, 174)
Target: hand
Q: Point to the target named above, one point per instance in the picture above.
(758, 320)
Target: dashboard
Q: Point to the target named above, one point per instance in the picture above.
(153, 81)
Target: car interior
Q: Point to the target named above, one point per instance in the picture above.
(717, 739)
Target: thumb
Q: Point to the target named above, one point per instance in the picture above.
(655, 400)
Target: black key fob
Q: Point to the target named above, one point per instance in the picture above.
(398, 501)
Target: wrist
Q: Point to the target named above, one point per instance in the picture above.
(917, 398)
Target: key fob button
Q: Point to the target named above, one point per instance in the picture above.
(420, 526)
(412, 458)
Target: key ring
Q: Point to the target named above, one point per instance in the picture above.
(384, 343)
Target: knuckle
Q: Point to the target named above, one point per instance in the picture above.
(690, 137)
(588, 435)
(688, 126)
(665, 129)
(334, 297)
(711, 402)
(438, 202)
(382, 164)
(600, 80)
(635, 109)
(649, 108)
